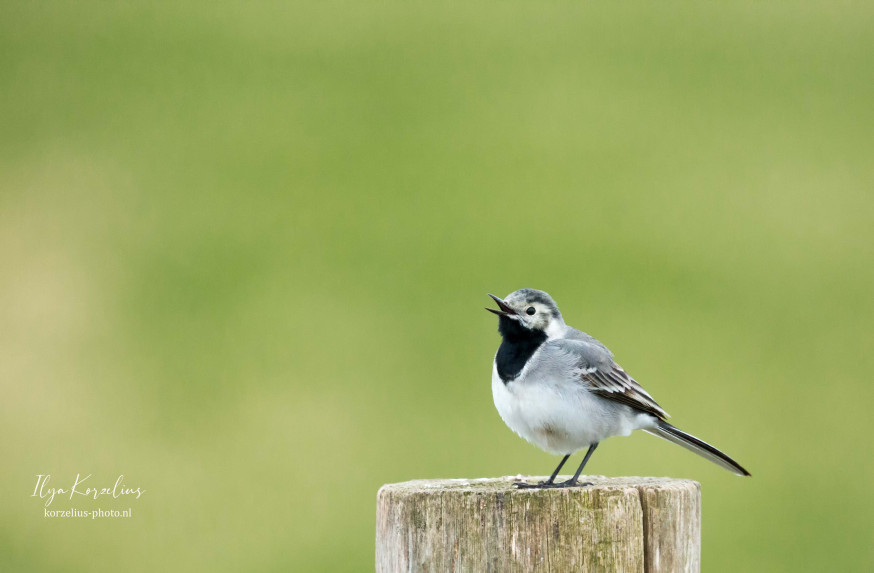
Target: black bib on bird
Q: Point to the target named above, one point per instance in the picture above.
(518, 345)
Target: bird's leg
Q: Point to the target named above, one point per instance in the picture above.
(573, 481)
(555, 473)
(547, 483)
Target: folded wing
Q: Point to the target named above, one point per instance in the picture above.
(597, 370)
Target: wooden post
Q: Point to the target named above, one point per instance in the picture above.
(628, 524)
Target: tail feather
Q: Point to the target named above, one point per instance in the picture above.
(693, 444)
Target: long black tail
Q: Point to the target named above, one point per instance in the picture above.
(693, 444)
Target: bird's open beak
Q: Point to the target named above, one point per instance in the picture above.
(505, 310)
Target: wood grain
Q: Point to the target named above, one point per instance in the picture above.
(619, 524)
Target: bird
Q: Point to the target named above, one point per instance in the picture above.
(560, 389)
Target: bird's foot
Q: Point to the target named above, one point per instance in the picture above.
(523, 485)
(551, 485)
(573, 483)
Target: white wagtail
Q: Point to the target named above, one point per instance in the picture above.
(560, 389)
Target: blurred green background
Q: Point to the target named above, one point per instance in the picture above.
(245, 249)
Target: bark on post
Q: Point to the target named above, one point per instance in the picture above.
(629, 524)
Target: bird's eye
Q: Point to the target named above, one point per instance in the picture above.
(531, 310)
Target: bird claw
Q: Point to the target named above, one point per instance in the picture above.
(545, 485)
(571, 483)
(523, 485)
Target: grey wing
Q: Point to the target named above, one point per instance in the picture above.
(597, 370)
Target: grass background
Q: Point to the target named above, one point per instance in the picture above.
(245, 249)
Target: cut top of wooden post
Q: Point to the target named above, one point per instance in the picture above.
(618, 524)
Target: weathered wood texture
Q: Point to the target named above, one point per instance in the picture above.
(630, 524)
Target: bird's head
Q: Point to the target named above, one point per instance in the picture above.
(528, 310)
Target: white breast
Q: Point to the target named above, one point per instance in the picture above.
(559, 416)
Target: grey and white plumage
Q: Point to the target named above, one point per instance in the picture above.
(560, 389)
